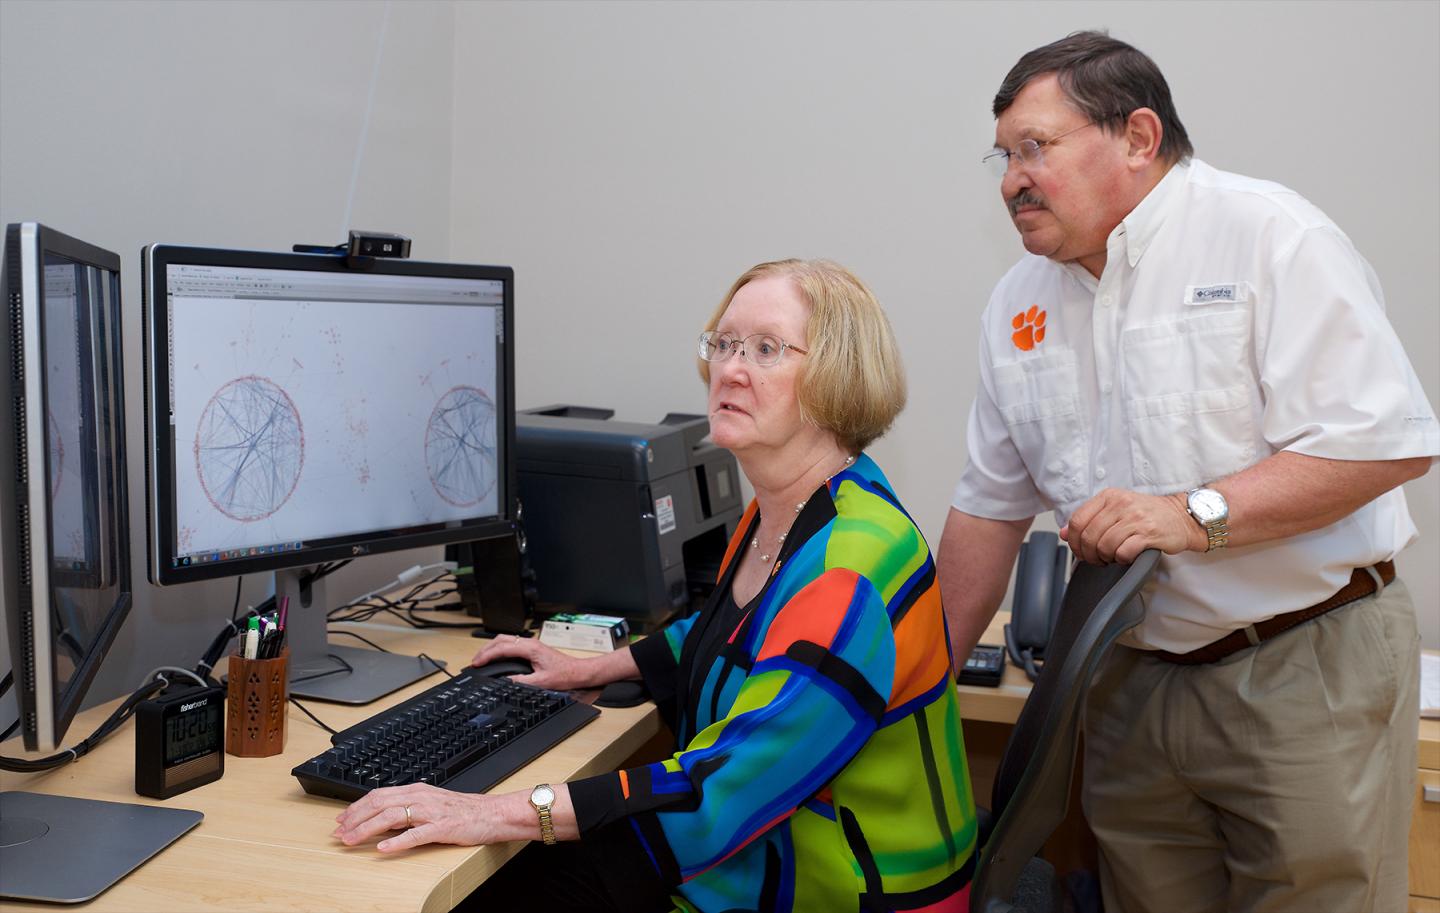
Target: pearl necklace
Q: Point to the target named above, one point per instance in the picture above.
(780, 539)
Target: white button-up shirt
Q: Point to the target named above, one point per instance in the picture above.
(1232, 320)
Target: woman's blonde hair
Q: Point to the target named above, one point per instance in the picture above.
(853, 383)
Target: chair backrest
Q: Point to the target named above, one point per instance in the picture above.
(1032, 786)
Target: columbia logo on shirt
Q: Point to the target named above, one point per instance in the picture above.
(1215, 293)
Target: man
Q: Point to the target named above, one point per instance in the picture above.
(1199, 362)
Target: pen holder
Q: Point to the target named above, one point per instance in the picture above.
(255, 706)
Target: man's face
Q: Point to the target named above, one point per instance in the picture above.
(1066, 207)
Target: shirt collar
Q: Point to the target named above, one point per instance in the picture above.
(1140, 226)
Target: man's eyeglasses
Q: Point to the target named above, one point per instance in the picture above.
(1029, 152)
(760, 349)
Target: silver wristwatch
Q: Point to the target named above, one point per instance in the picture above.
(1209, 509)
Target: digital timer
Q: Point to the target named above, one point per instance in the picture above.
(179, 741)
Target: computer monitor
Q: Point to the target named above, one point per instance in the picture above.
(64, 552)
(66, 577)
(302, 410)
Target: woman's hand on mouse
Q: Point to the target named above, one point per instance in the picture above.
(559, 671)
(553, 669)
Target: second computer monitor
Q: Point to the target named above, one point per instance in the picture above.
(299, 411)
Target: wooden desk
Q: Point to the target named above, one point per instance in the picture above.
(265, 844)
(1425, 823)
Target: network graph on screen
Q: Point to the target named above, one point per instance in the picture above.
(300, 413)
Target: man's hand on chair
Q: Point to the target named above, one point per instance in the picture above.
(1117, 525)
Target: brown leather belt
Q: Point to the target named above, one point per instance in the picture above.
(1361, 585)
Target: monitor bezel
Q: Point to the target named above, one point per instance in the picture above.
(46, 710)
(159, 461)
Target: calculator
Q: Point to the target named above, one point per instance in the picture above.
(985, 666)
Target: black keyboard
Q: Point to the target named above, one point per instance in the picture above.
(466, 733)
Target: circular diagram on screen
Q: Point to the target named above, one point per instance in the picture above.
(249, 448)
(460, 446)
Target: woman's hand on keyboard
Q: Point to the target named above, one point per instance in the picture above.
(428, 814)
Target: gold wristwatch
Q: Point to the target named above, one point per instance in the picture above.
(542, 797)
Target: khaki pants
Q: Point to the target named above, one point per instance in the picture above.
(1279, 778)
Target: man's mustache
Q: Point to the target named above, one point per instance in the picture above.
(1024, 198)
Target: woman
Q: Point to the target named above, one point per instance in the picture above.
(820, 764)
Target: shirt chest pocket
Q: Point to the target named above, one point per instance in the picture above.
(1040, 402)
(1189, 394)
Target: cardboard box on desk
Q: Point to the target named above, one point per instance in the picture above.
(599, 633)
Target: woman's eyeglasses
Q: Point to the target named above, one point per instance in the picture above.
(760, 349)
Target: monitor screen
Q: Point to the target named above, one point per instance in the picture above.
(300, 411)
(63, 511)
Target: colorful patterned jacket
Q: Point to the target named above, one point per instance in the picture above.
(822, 767)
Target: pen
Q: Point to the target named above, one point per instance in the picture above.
(252, 638)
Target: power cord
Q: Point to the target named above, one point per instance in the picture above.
(86, 745)
(409, 575)
(321, 723)
(318, 722)
(344, 667)
(404, 607)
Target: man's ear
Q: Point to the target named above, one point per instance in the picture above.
(1143, 133)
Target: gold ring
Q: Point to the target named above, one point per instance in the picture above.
(409, 822)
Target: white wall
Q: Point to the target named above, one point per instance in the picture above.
(631, 159)
(226, 125)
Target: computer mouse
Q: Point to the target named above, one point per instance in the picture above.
(504, 667)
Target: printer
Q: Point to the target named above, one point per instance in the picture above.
(624, 518)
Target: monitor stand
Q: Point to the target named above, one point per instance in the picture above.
(318, 668)
(64, 850)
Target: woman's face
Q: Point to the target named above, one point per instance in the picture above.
(755, 409)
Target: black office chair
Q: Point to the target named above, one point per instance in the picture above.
(1032, 786)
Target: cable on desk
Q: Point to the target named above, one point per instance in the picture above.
(345, 667)
(10, 730)
(85, 745)
(409, 575)
(366, 607)
(155, 673)
(364, 640)
(321, 723)
(234, 609)
(436, 663)
(318, 722)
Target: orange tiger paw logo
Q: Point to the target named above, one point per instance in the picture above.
(1029, 328)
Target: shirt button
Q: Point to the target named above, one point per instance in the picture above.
(1100, 473)
(1106, 301)
(1105, 387)
(1056, 467)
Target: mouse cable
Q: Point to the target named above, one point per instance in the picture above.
(321, 723)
